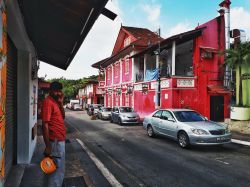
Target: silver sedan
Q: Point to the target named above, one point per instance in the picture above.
(104, 113)
(187, 127)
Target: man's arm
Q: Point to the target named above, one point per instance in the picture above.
(47, 150)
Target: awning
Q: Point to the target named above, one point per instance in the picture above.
(218, 90)
(57, 28)
(209, 49)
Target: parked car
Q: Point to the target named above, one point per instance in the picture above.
(93, 109)
(72, 103)
(187, 127)
(104, 113)
(77, 106)
(68, 105)
(124, 115)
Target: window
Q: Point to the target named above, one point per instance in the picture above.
(109, 101)
(116, 100)
(109, 73)
(126, 109)
(116, 70)
(127, 100)
(127, 41)
(167, 115)
(188, 116)
(127, 65)
(157, 114)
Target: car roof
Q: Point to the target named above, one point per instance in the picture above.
(176, 109)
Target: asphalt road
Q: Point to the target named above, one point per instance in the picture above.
(137, 160)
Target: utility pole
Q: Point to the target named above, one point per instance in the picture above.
(159, 72)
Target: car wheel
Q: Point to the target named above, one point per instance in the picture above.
(120, 122)
(101, 117)
(150, 131)
(183, 140)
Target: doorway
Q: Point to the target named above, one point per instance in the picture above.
(217, 108)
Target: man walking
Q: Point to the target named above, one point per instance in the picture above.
(54, 132)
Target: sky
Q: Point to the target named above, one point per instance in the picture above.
(171, 16)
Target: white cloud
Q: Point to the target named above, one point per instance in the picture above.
(97, 45)
(179, 28)
(153, 12)
(240, 19)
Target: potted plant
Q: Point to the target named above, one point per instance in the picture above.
(239, 58)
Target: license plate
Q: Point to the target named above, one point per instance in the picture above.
(221, 139)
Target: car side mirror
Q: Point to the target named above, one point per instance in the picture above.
(172, 120)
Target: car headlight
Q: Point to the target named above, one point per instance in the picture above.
(199, 131)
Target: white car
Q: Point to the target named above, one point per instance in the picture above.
(77, 107)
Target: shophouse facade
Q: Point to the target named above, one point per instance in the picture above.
(91, 93)
(188, 67)
(119, 69)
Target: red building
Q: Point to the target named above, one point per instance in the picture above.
(190, 65)
(91, 93)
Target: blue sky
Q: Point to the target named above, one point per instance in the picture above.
(172, 16)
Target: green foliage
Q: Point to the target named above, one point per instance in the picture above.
(238, 55)
(71, 87)
(235, 58)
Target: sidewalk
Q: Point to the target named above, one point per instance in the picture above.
(32, 175)
(80, 169)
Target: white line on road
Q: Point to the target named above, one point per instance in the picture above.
(109, 176)
(241, 142)
(218, 159)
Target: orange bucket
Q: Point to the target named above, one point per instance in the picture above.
(48, 165)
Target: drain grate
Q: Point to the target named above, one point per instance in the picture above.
(74, 182)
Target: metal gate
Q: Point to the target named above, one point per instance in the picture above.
(11, 108)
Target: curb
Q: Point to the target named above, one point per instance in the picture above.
(240, 142)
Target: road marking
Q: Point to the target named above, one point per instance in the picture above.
(241, 142)
(109, 176)
(217, 159)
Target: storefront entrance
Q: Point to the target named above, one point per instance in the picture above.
(217, 108)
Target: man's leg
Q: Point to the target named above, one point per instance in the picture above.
(58, 152)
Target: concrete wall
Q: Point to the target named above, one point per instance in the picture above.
(26, 87)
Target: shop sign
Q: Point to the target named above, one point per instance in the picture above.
(138, 87)
(185, 83)
(154, 85)
(165, 84)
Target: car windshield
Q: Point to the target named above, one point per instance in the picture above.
(188, 116)
(107, 109)
(126, 109)
(97, 106)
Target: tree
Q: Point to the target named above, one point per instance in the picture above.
(71, 87)
(236, 58)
